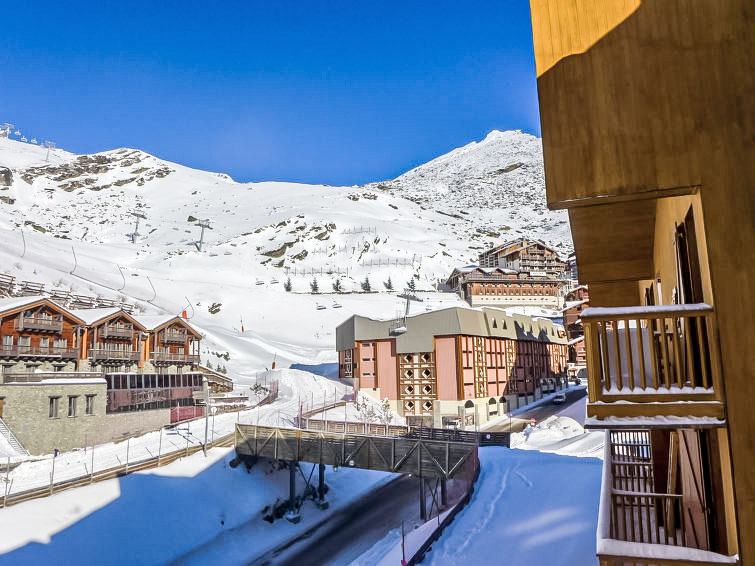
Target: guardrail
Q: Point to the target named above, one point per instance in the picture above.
(114, 472)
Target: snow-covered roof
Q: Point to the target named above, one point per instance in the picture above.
(571, 304)
(11, 303)
(575, 340)
(90, 316)
(153, 322)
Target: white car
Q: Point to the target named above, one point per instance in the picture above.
(559, 398)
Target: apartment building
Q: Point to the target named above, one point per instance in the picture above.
(648, 133)
(453, 366)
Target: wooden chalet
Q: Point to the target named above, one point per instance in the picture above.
(501, 287)
(112, 340)
(648, 136)
(37, 334)
(523, 255)
(172, 342)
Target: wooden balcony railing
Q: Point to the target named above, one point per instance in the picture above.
(107, 354)
(650, 361)
(175, 358)
(20, 351)
(39, 323)
(174, 336)
(117, 331)
(637, 527)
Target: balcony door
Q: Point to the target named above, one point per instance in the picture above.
(694, 490)
(690, 291)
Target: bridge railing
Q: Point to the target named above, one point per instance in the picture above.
(380, 429)
(397, 454)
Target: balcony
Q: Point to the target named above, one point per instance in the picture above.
(657, 361)
(39, 323)
(174, 337)
(19, 351)
(113, 355)
(118, 331)
(169, 357)
(637, 527)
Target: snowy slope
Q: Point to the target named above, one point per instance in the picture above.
(496, 185)
(65, 222)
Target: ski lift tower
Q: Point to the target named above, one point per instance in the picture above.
(205, 225)
(137, 215)
(49, 145)
(399, 325)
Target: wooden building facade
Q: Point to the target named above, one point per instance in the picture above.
(501, 287)
(37, 334)
(648, 132)
(524, 256)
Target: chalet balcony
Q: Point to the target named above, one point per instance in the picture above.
(40, 324)
(636, 526)
(113, 355)
(117, 331)
(18, 351)
(174, 337)
(657, 361)
(169, 357)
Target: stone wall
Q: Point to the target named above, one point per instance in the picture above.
(26, 411)
(118, 426)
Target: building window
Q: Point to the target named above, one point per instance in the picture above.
(7, 340)
(24, 340)
(54, 401)
(90, 404)
(72, 405)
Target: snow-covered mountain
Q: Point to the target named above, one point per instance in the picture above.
(65, 220)
(497, 184)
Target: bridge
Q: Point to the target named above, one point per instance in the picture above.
(428, 454)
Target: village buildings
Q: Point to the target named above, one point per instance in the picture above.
(576, 301)
(530, 257)
(76, 377)
(454, 366)
(647, 121)
(502, 287)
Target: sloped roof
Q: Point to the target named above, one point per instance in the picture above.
(421, 329)
(156, 322)
(13, 304)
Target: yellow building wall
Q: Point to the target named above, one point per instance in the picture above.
(644, 98)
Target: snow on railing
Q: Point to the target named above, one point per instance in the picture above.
(614, 552)
(665, 354)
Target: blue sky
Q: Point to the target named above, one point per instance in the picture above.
(313, 91)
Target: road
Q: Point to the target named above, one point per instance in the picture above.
(573, 407)
(349, 532)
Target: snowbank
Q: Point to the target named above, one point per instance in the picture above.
(560, 435)
(153, 517)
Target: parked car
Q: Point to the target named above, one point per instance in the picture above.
(559, 398)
